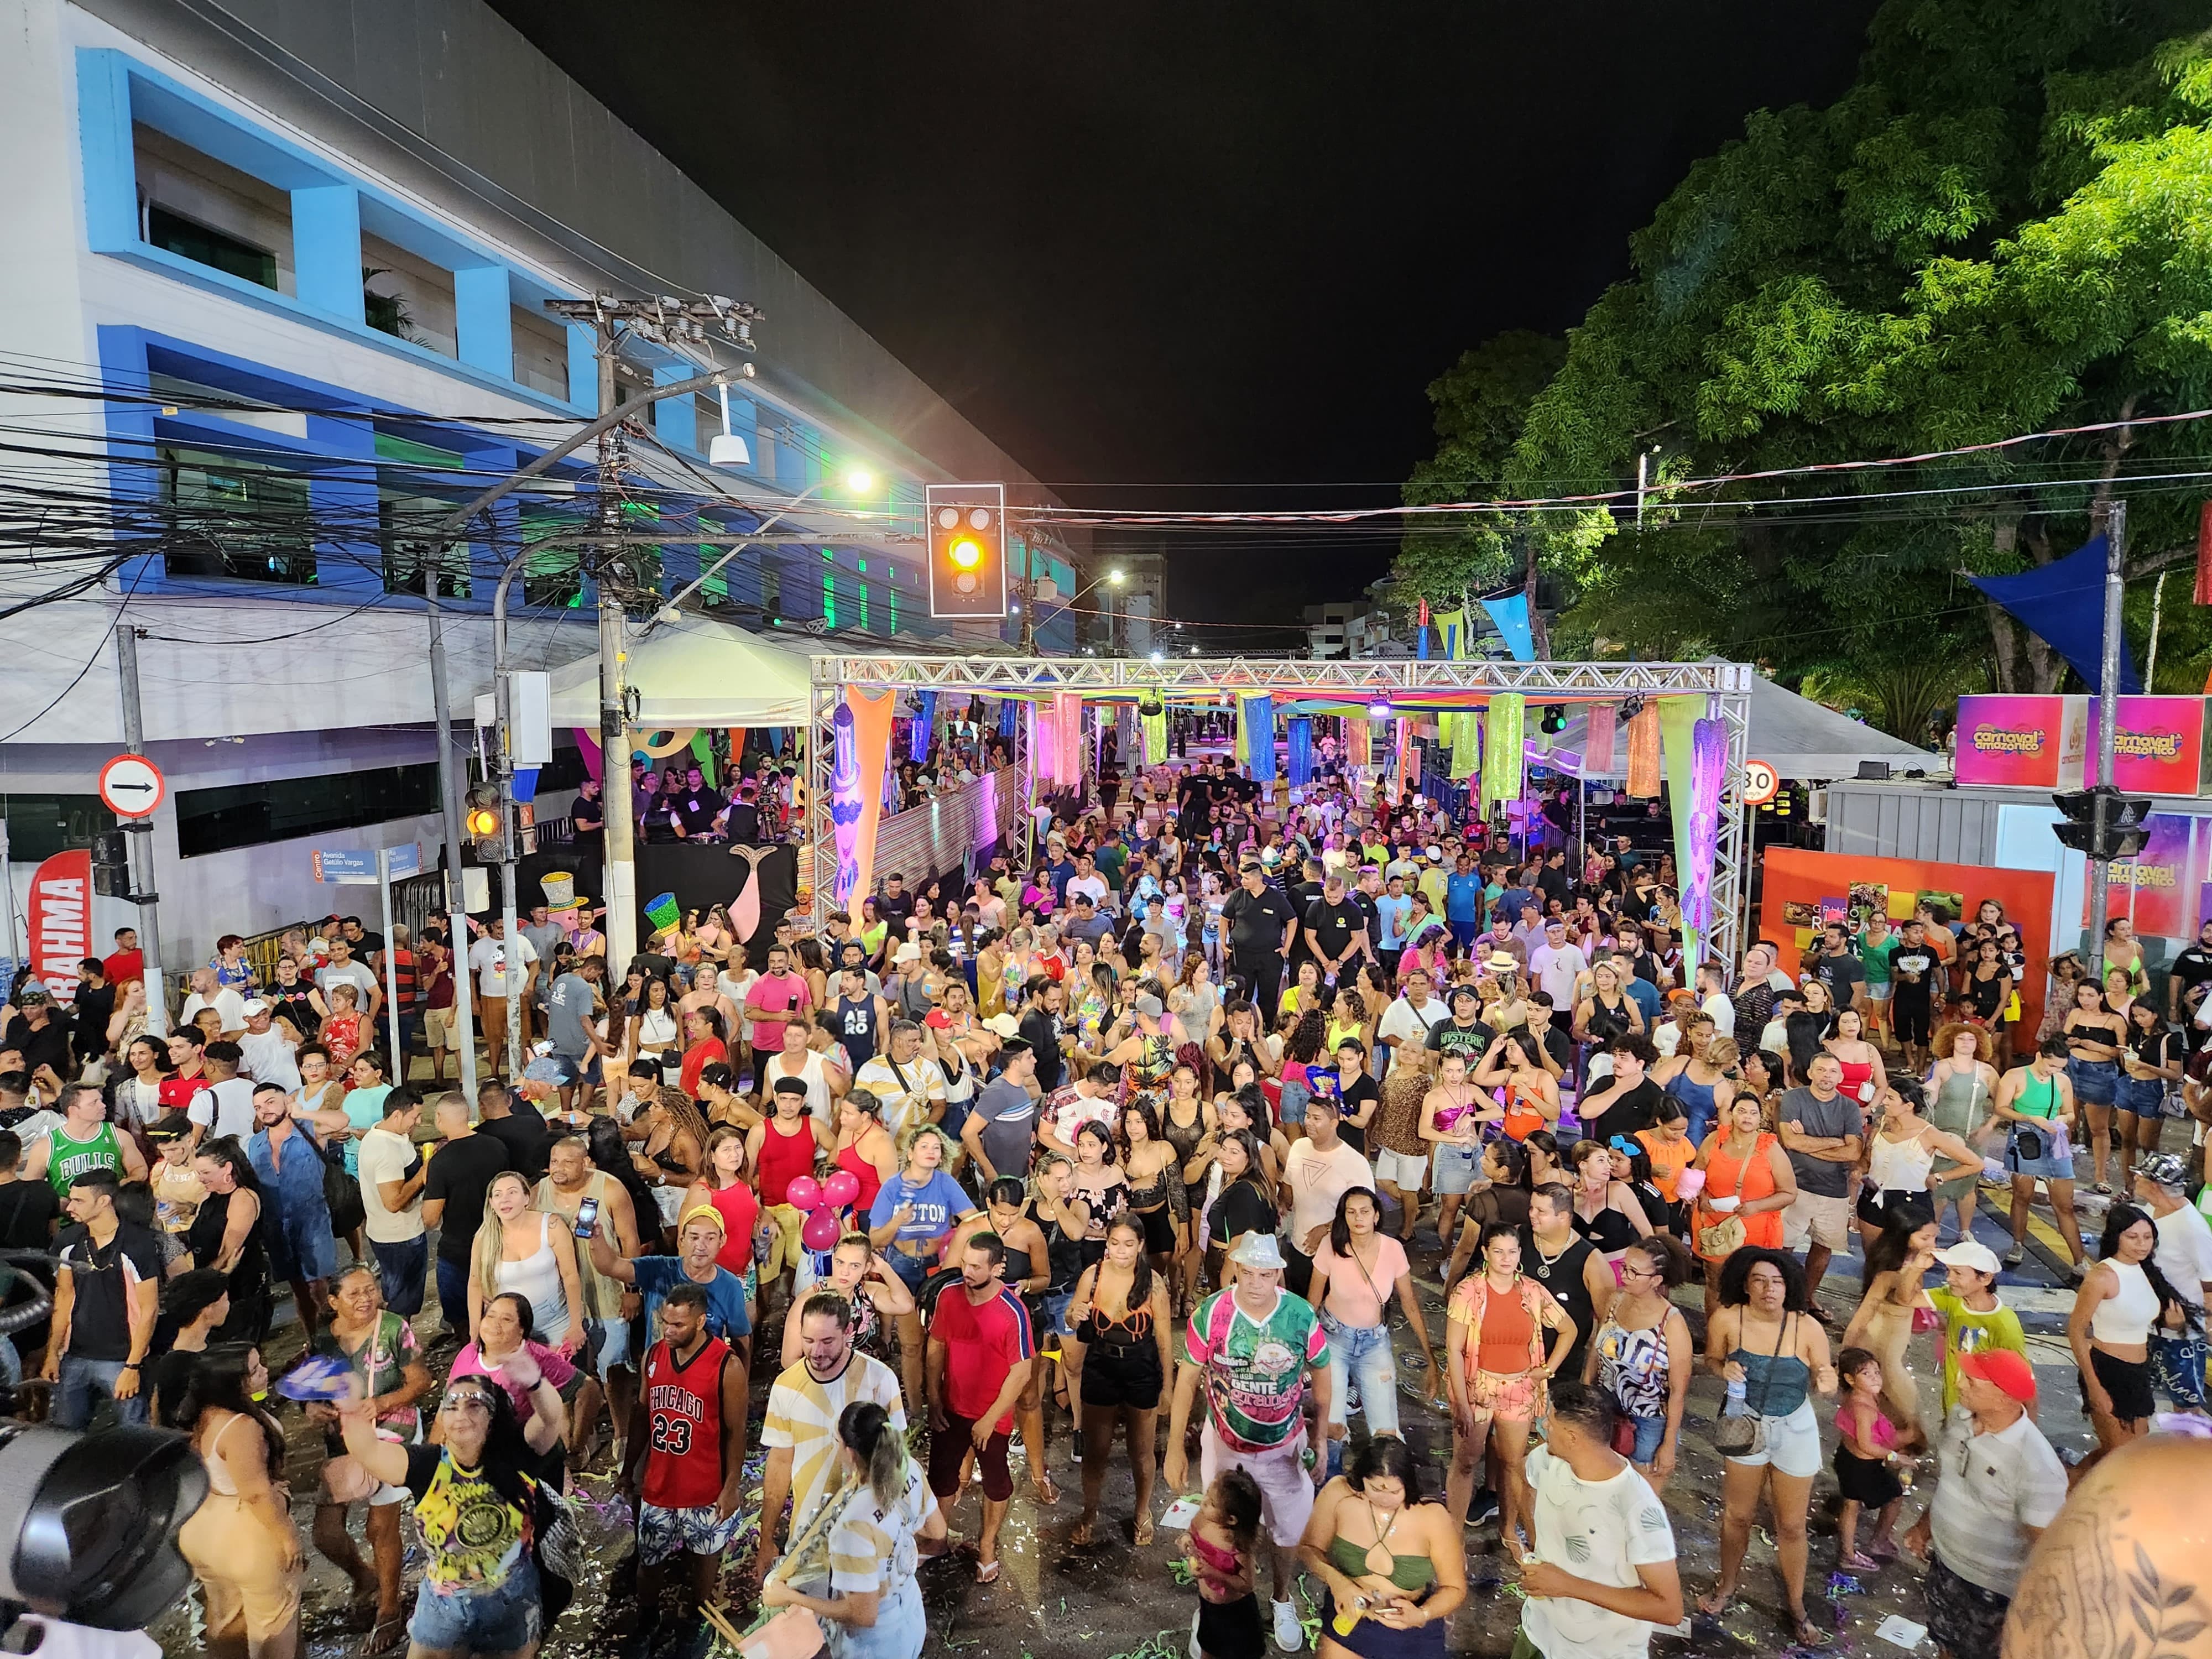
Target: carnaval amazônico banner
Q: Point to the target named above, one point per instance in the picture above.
(2046, 743)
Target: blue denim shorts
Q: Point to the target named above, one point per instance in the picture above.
(2095, 1081)
(498, 1621)
(2145, 1096)
(2177, 1369)
(1456, 1168)
(1649, 1431)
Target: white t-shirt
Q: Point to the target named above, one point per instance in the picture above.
(226, 1002)
(1600, 1530)
(227, 1107)
(1093, 886)
(1317, 1180)
(1558, 971)
(1402, 1019)
(2184, 1252)
(268, 1060)
(356, 974)
(1723, 1015)
(488, 955)
(384, 1156)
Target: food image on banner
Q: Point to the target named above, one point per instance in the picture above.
(2152, 889)
(1868, 898)
(1796, 912)
(1944, 907)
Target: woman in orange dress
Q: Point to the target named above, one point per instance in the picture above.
(1748, 1180)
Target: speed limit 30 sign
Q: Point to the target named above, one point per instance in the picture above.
(1761, 783)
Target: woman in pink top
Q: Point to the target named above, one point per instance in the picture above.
(503, 1331)
(1354, 1272)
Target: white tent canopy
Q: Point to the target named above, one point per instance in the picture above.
(694, 673)
(1798, 738)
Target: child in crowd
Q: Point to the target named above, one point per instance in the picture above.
(1865, 1462)
(1224, 1552)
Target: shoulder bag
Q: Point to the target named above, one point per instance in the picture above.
(1725, 1236)
(1743, 1434)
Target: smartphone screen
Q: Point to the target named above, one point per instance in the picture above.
(588, 1217)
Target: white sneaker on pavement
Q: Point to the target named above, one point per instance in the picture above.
(1289, 1634)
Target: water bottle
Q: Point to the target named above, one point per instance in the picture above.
(1738, 1399)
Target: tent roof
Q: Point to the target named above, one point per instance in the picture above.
(1798, 738)
(695, 673)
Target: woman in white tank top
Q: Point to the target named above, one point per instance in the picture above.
(2122, 1297)
(526, 1251)
(1901, 1157)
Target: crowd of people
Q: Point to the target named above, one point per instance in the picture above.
(1176, 1121)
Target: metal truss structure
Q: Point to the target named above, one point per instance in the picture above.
(1725, 685)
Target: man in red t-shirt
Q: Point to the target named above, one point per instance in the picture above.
(684, 1460)
(129, 961)
(777, 998)
(980, 1353)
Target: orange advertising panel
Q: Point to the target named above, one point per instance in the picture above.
(1799, 890)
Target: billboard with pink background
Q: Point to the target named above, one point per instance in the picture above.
(2022, 742)
(2159, 748)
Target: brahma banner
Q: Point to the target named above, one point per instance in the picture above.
(61, 921)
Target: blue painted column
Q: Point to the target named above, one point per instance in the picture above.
(326, 250)
(483, 319)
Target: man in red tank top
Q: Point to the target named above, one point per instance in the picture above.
(685, 1455)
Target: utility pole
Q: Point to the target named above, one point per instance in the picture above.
(449, 803)
(620, 875)
(2108, 720)
(680, 325)
(143, 893)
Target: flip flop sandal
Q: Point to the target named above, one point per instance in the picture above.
(988, 1574)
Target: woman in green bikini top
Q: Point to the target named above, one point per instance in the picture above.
(1393, 1562)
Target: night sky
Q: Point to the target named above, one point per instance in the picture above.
(1200, 255)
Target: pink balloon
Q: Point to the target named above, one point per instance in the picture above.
(842, 1189)
(804, 1192)
(820, 1230)
(1688, 1183)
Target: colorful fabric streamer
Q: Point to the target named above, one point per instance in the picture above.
(1464, 733)
(1643, 752)
(1708, 777)
(1503, 761)
(1156, 739)
(924, 725)
(1256, 735)
(1600, 742)
(1067, 741)
(1301, 751)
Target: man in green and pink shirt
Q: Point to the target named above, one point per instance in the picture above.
(1258, 1349)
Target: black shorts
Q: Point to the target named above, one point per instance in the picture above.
(1866, 1480)
(948, 1452)
(1909, 1017)
(1965, 1619)
(1232, 1630)
(1159, 1230)
(1122, 1374)
(1877, 1208)
(2127, 1380)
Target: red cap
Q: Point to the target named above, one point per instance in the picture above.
(936, 1018)
(2008, 1370)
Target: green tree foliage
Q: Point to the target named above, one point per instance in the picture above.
(2005, 225)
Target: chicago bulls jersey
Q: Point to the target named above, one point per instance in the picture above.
(683, 1416)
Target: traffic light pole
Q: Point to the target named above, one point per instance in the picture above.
(449, 803)
(2108, 722)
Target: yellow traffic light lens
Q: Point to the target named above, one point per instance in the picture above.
(967, 554)
(484, 821)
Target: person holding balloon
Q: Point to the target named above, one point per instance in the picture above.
(864, 1150)
(781, 1148)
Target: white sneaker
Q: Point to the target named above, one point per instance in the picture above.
(1289, 1634)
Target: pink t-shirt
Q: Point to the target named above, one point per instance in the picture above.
(558, 1371)
(774, 999)
(1356, 1296)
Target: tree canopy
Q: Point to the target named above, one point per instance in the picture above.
(2004, 227)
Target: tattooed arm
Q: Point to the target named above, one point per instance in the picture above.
(2123, 1570)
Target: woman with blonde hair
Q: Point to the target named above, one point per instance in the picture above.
(523, 1250)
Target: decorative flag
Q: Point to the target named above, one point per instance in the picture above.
(1599, 742)
(1510, 615)
(1010, 714)
(1067, 736)
(1156, 739)
(1256, 735)
(863, 727)
(1501, 758)
(1678, 722)
(2203, 593)
(1708, 777)
(1466, 744)
(1408, 763)
(1360, 743)
(2063, 605)
(1643, 752)
(1421, 622)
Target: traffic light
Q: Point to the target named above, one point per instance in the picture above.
(111, 865)
(2121, 834)
(485, 820)
(967, 549)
